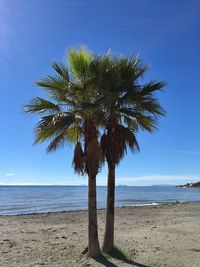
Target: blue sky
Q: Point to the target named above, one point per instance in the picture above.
(165, 34)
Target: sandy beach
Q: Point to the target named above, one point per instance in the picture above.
(156, 236)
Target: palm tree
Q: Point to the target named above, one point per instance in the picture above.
(129, 105)
(70, 115)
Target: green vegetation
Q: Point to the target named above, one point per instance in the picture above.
(129, 105)
(118, 254)
(98, 103)
(70, 115)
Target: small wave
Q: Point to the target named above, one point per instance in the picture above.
(148, 204)
(132, 200)
(141, 205)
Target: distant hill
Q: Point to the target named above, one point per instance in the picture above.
(190, 185)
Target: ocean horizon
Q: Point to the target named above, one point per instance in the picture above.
(27, 199)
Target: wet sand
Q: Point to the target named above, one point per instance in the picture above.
(155, 236)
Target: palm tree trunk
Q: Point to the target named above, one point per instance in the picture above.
(93, 242)
(108, 243)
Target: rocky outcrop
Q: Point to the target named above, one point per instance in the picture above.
(190, 185)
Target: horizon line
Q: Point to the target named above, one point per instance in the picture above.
(170, 184)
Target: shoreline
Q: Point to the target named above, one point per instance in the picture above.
(85, 209)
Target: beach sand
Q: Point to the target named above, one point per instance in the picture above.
(165, 235)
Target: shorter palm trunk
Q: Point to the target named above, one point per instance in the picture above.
(108, 243)
(93, 242)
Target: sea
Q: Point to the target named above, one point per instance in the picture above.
(15, 200)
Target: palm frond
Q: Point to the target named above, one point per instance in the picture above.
(61, 70)
(79, 61)
(53, 82)
(51, 126)
(131, 123)
(152, 86)
(57, 142)
(130, 138)
(39, 105)
(74, 133)
(132, 68)
(148, 123)
(152, 106)
(131, 112)
(104, 143)
(78, 159)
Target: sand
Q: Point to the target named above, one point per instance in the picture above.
(156, 236)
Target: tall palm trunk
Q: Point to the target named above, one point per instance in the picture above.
(93, 242)
(108, 243)
(92, 163)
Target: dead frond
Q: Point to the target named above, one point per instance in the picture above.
(93, 157)
(78, 160)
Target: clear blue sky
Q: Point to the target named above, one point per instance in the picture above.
(165, 34)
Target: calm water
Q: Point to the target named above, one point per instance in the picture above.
(30, 199)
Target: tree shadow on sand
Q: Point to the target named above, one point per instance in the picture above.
(119, 255)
